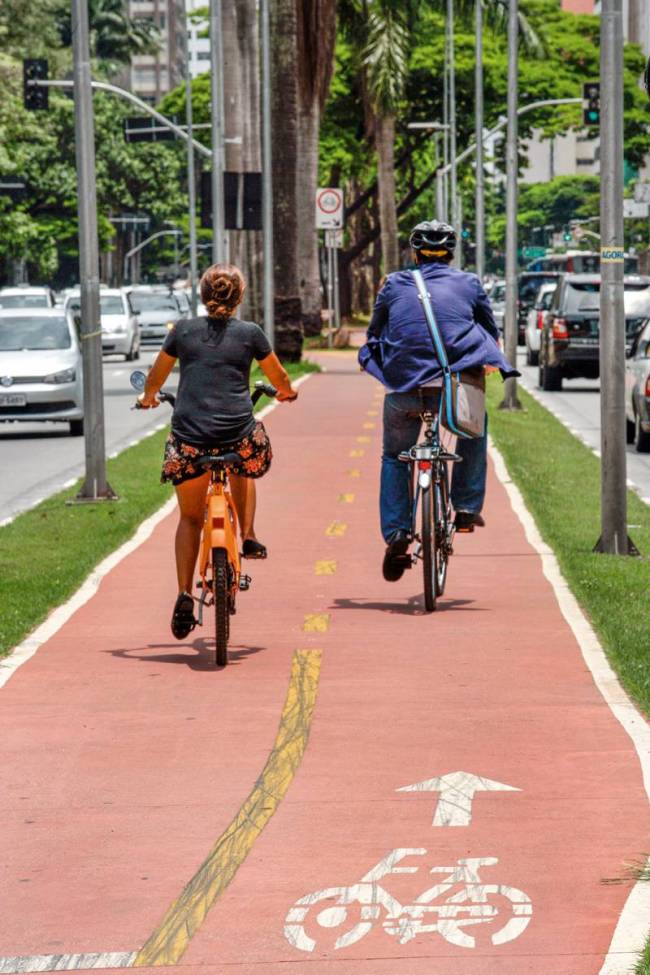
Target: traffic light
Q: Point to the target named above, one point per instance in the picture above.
(591, 103)
(568, 235)
(35, 97)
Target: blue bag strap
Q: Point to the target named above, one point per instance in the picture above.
(439, 347)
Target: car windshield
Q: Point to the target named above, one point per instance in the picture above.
(528, 287)
(146, 301)
(111, 305)
(23, 301)
(33, 333)
(545, 299)
(498, 293)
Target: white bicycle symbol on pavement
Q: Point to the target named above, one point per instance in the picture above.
(359, 906)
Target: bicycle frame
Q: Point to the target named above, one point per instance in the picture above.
(427, 466)
(219, 531)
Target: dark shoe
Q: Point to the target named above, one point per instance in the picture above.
(467, 521)
(183, 621)
(252, 549)
(396, 560)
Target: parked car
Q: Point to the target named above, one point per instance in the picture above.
(529, 284)
(120, 329)
(535, 321)
(637, 390)
(498, 302)
(26, 297)
(158, 309)
(570, 338)
(40, 367)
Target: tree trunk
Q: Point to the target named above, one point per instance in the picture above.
(242, 120)
(385, 144)
(307, 252)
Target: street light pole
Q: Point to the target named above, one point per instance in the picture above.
(478, 124)
(510, 401)
(191, 178)
(614, 538)
(452, 119)
(217, 109)
(95, 486)
(268, 286)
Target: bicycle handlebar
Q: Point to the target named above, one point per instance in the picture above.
(261, 389)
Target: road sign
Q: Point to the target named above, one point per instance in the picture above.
(642, 192)
(456, 790)
(145, 128)
(334, 238)
(329, 208)
(634, 211)
(242, 200)
(532, 252)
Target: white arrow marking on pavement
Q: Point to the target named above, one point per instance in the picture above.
(456, 794)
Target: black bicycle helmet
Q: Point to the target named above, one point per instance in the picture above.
(433, 237)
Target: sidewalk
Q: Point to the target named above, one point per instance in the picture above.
(128, 762)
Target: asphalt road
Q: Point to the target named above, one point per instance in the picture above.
(39, 459)
(578, 408)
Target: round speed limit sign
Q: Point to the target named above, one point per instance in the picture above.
(329, 208)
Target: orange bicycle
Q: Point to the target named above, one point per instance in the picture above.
(220, 572)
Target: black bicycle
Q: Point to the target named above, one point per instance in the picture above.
(429, 487)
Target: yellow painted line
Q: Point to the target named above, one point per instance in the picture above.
(363, 439)
(169, 941)
(372, 413)
(354, 472)
(316, 623)
(357, 452)
(336, 529)
(369, 426)
(326, 567)
(346, 498)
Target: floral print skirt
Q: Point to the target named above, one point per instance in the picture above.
(180, 465)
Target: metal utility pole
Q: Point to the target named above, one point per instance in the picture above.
(191, 178)
(95, 486)
(268, 286)
(478, 125)
(452, 118)
(443, 213)
(614, 538)
(510, 401)
(219, 254)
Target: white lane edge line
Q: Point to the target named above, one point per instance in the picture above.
(631, 930)
(59, 616)
(66, 963)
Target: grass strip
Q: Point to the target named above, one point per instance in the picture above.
(559, 478)
(643, 964)
(48, 551)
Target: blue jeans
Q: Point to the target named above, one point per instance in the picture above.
(401, 430)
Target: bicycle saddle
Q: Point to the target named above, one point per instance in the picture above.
(208, 462)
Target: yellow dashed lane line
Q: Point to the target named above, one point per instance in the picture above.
(354, 472)
(336, 530)
(169, 941)
(325, 567)
(357, 452)
(316, 623)
(363, 439)
(346, 498)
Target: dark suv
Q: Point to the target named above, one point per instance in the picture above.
(529, 285)
(570, 341)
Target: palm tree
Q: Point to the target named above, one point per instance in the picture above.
(115, 36)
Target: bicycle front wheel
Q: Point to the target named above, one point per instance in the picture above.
(221, 592)
(429, 559)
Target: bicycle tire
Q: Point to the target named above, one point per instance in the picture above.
(220, 587)
(441, 556)
(428, 538)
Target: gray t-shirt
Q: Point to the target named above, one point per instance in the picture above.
(213, 403)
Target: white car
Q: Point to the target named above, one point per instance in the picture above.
(158, 309)
(535, 321)
(40, 367)
(498, 302)
(120, 329)
(26, 297)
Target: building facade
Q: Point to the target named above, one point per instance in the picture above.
(152, 76)
(199, 46)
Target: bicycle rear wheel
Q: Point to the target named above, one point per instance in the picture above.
(221, 594)
(429, 559)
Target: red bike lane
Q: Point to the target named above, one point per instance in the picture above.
(259, 819)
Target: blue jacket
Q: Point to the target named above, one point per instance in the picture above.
(399, 350)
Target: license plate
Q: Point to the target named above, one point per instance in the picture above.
(584, 341)
(13, 399)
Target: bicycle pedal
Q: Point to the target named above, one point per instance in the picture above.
(244, 583)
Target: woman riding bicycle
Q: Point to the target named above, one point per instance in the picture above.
(214, 415)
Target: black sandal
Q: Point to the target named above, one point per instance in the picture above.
(183, 621)
(252, 549)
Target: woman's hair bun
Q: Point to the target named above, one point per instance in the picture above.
(222, 289)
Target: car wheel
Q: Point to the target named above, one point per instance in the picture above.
(76, 428)
(641, 438)
(532, 358)
(629, 431)
(552, 379)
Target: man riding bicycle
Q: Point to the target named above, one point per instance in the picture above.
(399, 352)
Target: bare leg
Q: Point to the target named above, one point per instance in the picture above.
(244, 495)
(191, 501)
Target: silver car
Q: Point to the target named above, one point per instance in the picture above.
(158, 310)
(120, 330)
(26, 296)
(40, 367)
(535, 321)
(637, 391)
(498, 302)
